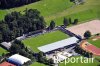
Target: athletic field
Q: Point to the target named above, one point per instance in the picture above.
(93, 26)
(44, 39)
(90, 48)
(95, 42)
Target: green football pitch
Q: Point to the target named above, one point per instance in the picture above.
(44, 39)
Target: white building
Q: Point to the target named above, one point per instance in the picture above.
(18, 59)
(7, 45)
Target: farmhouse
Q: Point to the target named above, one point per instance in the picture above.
(70, 42)
(18, 59)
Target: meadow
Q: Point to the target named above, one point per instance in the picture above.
(46, 7)
(58, 9)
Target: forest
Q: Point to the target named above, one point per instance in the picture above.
(16, 24)
(5, 4)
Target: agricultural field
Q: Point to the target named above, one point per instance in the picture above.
(44, 39)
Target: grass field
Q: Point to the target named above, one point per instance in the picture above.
(95, 63)
(46, 7)
(58, 9)
(37, 64)
(41, 40)
(96, 43)
(2, 51)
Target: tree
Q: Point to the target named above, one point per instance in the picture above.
(16, 24)
(87, 34)
(1, 37)
(70, 21)
(52, 25)
(51, 62)
(14, 3)
(65, 22)
(75, 21)
(15, 48)
(72, 0)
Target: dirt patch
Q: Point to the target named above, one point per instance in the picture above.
(93, 26)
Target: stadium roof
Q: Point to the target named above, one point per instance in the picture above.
(59, 44)
(18, 59)
(6, 64)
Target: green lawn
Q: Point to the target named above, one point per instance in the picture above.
(46, 7)
(41, 40)
(58, 9)
(2, 51)
(95, 63)
(37, 64)
(90, 10)
(96, 43)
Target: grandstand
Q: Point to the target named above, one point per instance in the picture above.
(70, 42)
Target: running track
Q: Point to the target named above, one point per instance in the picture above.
(90, 48)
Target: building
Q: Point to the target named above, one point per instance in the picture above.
(18, 59)
(70, 42)
(6, 45)
(6, 64)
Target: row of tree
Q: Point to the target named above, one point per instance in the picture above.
(14, 3)
(68, 22)
(16, 24)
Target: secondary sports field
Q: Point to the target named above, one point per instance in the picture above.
(44, 39)
(93, 26)
(90, 48)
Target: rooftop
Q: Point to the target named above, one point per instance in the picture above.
(59, 44)
(18, 59)
(6, 64)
